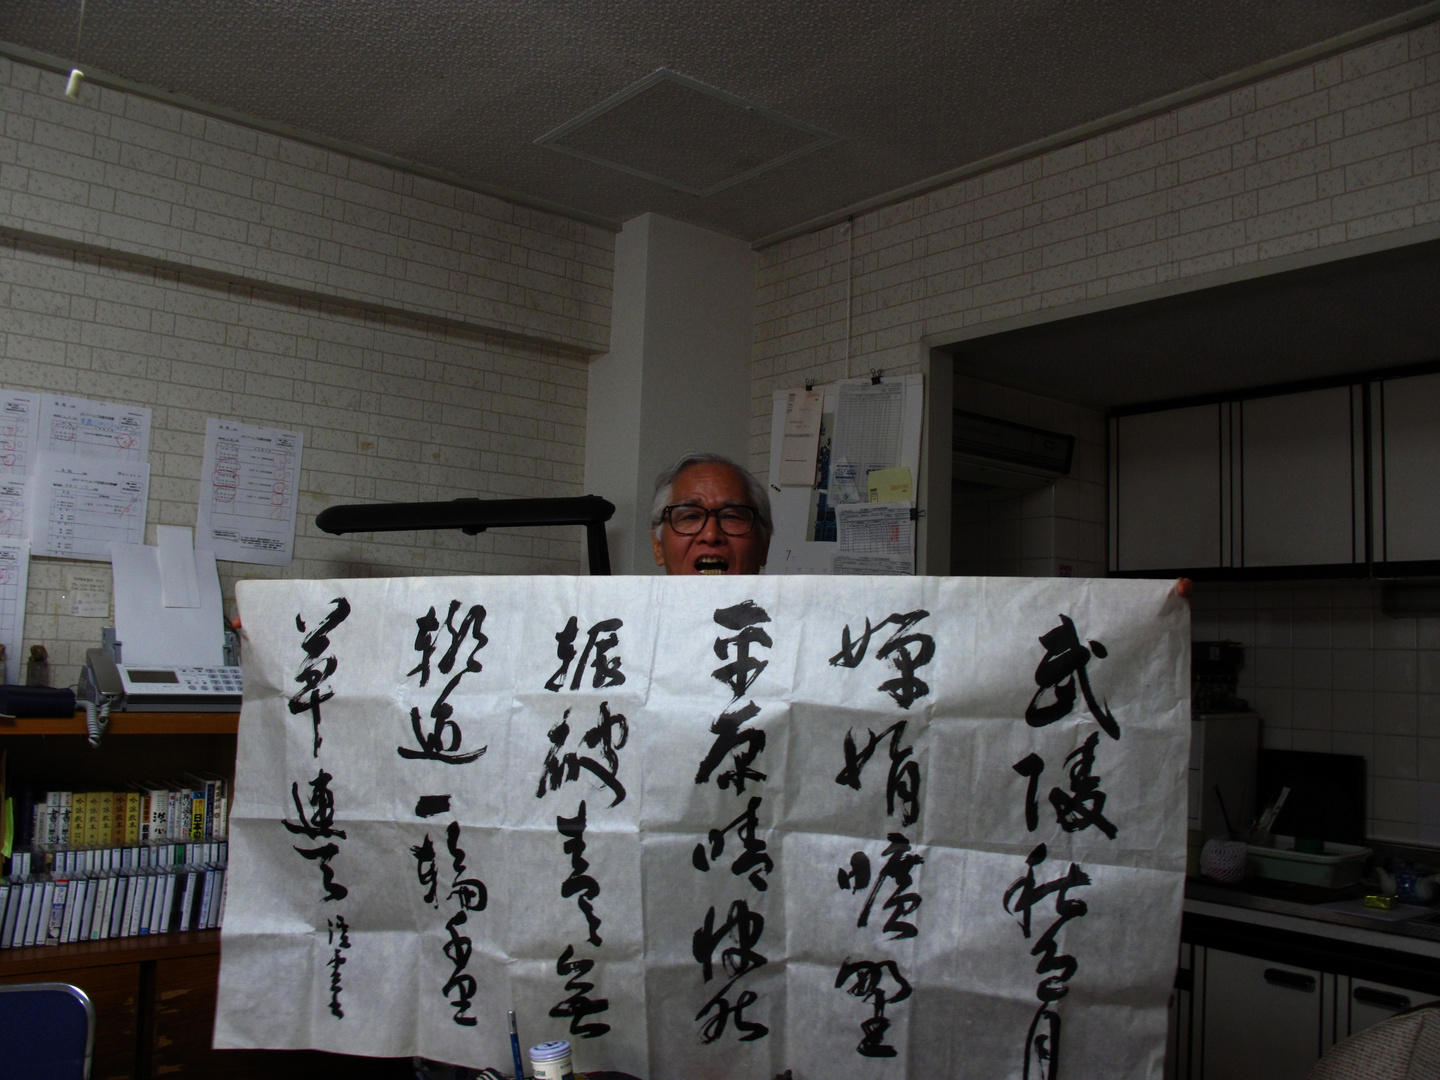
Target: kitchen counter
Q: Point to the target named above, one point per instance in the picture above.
(1297, 910)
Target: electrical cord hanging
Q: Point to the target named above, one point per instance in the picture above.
(72, 88)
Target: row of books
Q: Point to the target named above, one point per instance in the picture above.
(62, 859)
(47, 909)
(195, 809)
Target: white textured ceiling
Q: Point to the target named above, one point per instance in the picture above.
(913, 89)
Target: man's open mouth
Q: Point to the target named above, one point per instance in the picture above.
(711, 564)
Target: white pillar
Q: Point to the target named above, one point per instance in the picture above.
(677, 377)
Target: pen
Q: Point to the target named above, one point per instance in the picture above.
(515, 1048)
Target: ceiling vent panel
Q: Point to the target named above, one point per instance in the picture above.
(676, 131)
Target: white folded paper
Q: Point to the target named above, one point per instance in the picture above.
(712, 827)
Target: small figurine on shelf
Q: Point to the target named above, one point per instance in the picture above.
(37, 671)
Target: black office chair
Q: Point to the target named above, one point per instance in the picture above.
(472, 516)
(47, 1031)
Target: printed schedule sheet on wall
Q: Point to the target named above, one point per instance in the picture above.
(248, 487)
(74, 473)
(719, 826)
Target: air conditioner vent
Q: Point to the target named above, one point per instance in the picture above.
(996, 458)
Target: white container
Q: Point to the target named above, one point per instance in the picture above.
(551, 1060)
(1338, 867)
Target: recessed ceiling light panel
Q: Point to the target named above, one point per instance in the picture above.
(677, 131)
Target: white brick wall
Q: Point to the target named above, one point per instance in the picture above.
(429, 342)
(1334, 151)
(124, 173)
(390, 412)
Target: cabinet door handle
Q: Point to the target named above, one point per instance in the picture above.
(1366, 996)
(1292, 980)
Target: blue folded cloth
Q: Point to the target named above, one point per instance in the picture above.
(36, 701)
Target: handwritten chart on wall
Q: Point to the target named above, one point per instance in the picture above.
(81, 505)
(14, 574)
(712, 827)
(86, 473)
(249, 483)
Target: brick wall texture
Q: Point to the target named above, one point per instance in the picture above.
(430, 343)
(1334, 151)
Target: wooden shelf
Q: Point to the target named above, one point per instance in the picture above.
(126, 723)
(126, 950)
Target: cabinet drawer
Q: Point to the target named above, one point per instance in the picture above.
(1368, 1003)
(1263, 1020)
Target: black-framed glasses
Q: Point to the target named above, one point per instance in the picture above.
(687, 519)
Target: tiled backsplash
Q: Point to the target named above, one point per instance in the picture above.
(1329, 671)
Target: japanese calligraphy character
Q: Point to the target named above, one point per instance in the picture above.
(724, 1013)
(443, 740)
(902, 784)
(607, 669)
(579, 883)
(337, 961)
(742, 671)
(870, 985)
(610, 734)
(310, 697)
(1021, 898)
(579, 1004)
(1082, 806)
(752, 860)
(425, 868)
(322, 800)
(323, 854)
(744, 744)
(898, 866)
(462, 986)
(1063, 665)
(746, 926)
(908, 688)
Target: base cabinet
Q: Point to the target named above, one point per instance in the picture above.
(1263, 1020)
(1253, 1003)
(1368, 1003)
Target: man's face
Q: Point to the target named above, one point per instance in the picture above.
(710, 551)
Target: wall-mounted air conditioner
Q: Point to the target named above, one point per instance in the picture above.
(998, 459)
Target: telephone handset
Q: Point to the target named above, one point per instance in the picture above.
(100, 679)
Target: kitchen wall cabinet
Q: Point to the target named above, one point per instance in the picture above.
(1165, 489)
(1406, 419)
(1321, 482)
(1297, 464)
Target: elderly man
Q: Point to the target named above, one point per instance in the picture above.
(710, 516)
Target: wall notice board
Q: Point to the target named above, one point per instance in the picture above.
(829, 524)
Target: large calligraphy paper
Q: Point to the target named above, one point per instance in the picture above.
(712, 827)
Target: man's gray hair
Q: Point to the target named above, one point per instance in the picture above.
(665, 483)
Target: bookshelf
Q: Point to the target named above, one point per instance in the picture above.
(154, 995)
